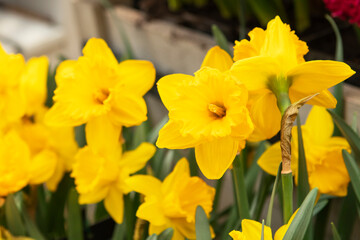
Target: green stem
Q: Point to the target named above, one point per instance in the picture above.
(287, 186)
(240, 189)
(283, 101)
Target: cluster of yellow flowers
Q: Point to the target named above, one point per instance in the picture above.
(226, 103)
(31, 151)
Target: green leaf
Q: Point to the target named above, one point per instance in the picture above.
(320, 206)
(140, 134)
(230, 224)
(202, 226)
(55, 208)
(262, 230)
(152, 237)
(220, 38)
(74, 230)
(241, 198)
(303, 183)
(13, 217)
(261, 194)
(339, 49)
(264, 10)
(287, 187)
(347, 216)
(353, 171)
(119, 232)
(348, 133)
(167, 164)
(31, 228)
(336, 235)
(271, 203)
(154, 133)
(302, 15)
(300, 223)
(166, 234)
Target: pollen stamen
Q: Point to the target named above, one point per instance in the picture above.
(219, 111)
(102, 95)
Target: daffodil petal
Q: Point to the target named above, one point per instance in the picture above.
(102, 136)
(255, 72)
(127, 109)
(144, 184)
(252, 230)
(181, 172)
(151, 211)
(245, 49)
(170, 137)
(215, 157)
(94, 196)
(42, 166)
(315, 76)
(320, 124)
(280, 233)
(270, 159)
(137, 75)
(217, 58)
(168, 87)
(54, 180)
(266, 116)
(136, 159)
(97, 49)
(114, 204)
(324, 99)
(33, 83)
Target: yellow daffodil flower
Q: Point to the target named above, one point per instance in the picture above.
(272, 67)
(14, 163)
(100, 169)
(252, 230)
(173, 202)
(96, 85)
(325, 164)
(12, 101)
(207, 111)
(52, 148)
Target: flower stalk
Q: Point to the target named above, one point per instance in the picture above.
(287, 122)
(241, 197)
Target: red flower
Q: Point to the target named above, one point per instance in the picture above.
(345, 9)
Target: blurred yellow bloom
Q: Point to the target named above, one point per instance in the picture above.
(325, 164)
(6, 235)
(14, 163)
(252, 230)
(96, 85)
(271, 64)
(12, 102)
(101, 170)
(173, 202)
(207, 111)
(52, 149)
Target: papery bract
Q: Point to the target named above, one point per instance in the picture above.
(325, 164)
(173, 202)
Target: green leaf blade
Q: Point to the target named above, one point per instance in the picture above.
(202, 226)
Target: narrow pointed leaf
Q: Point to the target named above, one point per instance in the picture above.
(271, 203)
(354, 172)
(152, 237)
(320, 206)
(262, 230)
(154, 133)
(166, 234)
(300, 223)
(13, 217)
(336, 235)
(220, 38)
(348, 133)
(31, 227)
(303, 183)
(119, 232)
(241, 198)
(74, 230)
(202, 226)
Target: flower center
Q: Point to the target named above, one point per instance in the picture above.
(217, 110)
(101, 95)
